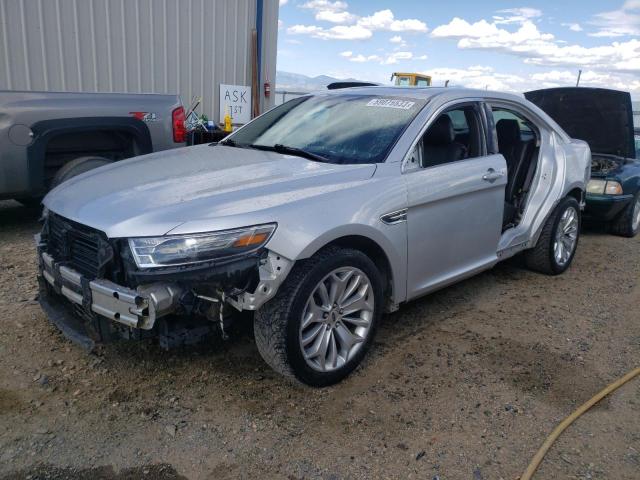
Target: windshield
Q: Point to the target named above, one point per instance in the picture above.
(343, 128)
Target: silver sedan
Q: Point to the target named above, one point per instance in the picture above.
(318, 216)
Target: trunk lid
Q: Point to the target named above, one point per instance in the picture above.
(601, 117)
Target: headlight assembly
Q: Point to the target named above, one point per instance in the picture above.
(596, 186)
(604, 187)
(173, 250)
(613, 188)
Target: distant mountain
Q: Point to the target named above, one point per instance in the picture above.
(302, 83)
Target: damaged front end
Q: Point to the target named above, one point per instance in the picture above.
(97, 289)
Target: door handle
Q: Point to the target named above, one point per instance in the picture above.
(491, 175)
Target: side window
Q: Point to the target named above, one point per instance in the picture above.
(455, 135)
(511, 126)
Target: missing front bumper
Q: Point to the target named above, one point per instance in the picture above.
(138, 308)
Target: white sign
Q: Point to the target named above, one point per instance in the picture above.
(235, 99)
(390, 103)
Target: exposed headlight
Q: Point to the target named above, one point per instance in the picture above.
(604, 187)
(173, 250)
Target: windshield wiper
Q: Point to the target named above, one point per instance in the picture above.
(232, 143)
(298, 152)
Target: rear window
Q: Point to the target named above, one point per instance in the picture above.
(345, 128)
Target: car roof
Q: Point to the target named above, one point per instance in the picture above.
(426, 93)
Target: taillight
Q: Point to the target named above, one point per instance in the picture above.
(179, 128)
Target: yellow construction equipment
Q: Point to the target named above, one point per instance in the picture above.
(411, 79)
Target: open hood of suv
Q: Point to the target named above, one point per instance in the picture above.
(601, 117)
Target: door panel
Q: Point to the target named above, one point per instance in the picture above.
(454, 220)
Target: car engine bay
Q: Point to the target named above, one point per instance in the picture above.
(604, 164)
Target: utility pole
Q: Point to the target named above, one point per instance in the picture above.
(579, 75)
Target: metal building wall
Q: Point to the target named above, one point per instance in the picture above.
(154, 46)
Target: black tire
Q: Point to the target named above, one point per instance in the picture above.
(277, 323)
(76, 167)
(623, 225)
(33, 202)
(541, 258)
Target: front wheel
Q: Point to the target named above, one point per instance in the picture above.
(322, 321)
(628, 223)
(558, 240)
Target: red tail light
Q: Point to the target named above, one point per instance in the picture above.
(179, 128)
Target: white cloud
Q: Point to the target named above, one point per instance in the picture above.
(395, 57)
(335, 17)
(352, 27)
(480, 77)
(280, 24)
(618, 23)
(361, 58)
(325, 5)
(385, 20)
(396, 39)
(574, 27)
(589, 78)
(540, 48)
(304, 30)
(330, 11)
(339, 32)
(483, 77)
(283, 2)
(516, 15)
(386, 59)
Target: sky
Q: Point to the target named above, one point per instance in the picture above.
(499, 45)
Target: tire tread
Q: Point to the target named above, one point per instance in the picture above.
(270, 321)
(539, 257)
(623, 225)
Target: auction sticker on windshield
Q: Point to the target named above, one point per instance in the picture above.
(390, 103)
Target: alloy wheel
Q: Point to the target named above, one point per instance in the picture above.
(566, 236)
(636, 215)
(337, 319)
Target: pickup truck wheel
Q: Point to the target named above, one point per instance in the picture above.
(323, 319)
(628, 223)
(558, 241)
(76, 167)
(33, 202)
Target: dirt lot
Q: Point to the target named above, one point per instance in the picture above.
(464, 384)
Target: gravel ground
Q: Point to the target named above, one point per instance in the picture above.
(463, 384)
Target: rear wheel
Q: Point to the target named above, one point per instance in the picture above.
(321, 323)
(628, 223)
(76, 167)
(558, 241)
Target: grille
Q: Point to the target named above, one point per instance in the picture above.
(74, 244)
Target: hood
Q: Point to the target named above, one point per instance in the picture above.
(210, 186)
(603, 118)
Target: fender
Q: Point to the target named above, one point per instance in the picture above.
(397, 260)
(46, 130)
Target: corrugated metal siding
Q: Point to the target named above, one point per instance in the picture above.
(153, 46)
